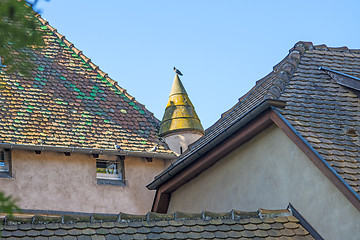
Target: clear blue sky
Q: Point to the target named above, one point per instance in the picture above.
(222, 47)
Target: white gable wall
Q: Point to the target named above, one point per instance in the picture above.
(269, 172)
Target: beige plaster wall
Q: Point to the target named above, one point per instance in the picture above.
(177, 140)
(53, 181)
(269, 172)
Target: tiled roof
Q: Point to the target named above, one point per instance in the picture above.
(325, 113)
(69, 102)
(207, 225)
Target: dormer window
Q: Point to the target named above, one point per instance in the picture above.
(110, 172)
(5, 163)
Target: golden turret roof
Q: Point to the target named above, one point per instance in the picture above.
(179, 114)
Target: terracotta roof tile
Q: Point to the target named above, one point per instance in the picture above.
(68, 102)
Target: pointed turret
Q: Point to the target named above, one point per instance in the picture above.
(180, 125)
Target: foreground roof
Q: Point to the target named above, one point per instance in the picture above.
(314, 91)
(69, 102)
(179, 113)
(206, 225)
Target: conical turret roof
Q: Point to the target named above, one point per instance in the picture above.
(179, 114)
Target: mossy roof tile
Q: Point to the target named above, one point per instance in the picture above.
(179, 113)
(230, 227)
(62, 85)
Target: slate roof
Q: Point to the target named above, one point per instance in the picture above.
(69, 102)
(263, 224)
(325, 113)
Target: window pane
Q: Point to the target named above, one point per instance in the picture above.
(109, 169)
(4, 164)
(105, 166)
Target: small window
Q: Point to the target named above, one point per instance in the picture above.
(5, 163)
(110, 172)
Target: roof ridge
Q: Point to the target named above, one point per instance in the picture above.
(92, 65)
(287, 65)
(286, 68)
(248, 94)
(18, 219)
(324, 47)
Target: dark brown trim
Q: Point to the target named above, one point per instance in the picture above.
(243, 135)
(319, 163)
(161, 202)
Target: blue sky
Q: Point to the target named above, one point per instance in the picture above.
(221, 47)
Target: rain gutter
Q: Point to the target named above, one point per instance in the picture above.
(87, 150)
(213, 142)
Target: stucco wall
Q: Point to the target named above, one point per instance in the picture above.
(53, 181)
(269, 172)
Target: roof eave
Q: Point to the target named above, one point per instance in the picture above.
(169, 156)
(253, 113)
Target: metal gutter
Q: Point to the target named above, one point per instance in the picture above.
(317, 154)
(341, 73)
(88, 150)
(213, 142)
(343, 79)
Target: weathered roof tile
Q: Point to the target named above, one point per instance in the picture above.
(69, 102)
(218, 226)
